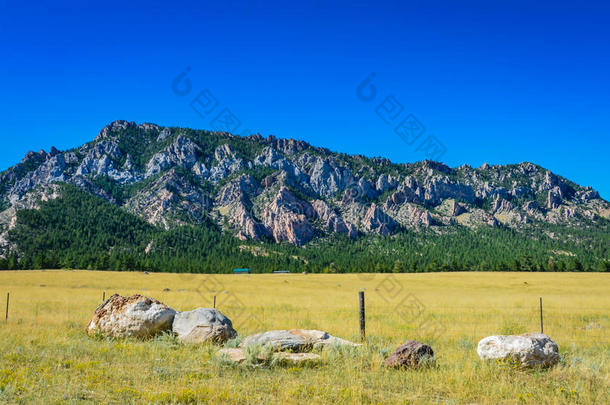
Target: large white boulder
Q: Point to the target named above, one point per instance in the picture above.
(136, 316)
(528, 350)
(203, 325)
(294, 340)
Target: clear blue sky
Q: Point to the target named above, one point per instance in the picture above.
(494, 82)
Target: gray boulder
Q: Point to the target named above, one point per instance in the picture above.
(528, 350)
(203, 325)
(294, 340)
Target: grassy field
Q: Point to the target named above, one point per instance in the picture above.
(45, 356)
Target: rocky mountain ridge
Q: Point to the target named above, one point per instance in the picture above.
(268, 188)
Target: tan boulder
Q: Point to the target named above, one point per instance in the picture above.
(135, 316)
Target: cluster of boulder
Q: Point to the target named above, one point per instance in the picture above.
(142, 317)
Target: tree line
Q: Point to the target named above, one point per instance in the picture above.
(82, 231)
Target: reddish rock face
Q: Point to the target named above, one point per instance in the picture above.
(287, 217)
(331, 220)
(409, 354)
(377, 221)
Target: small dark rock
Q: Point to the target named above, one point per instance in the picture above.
(409, 354)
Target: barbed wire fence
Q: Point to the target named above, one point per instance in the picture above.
(404, 307)
(392, 304)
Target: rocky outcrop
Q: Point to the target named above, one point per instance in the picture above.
(164, 134)
(271, 158)
(245, 222)
(532, 209)
(115, 126)
(170, 200)
(135, 316)
(243, 188)
(235, 205)
(437, 189)
(451, 208)
(203, 325)
(521, 191)
(290, 191)
(587, 194)
(30, 200)
(554, 198)
(101, 159)
(385, 182)
(550, 182)
(410, 354)
(52, 170)
(409, 215)
(287, 218)
(327, 178)
(500, 205)
(182, 153)
(200, 170)
(223, 152)
(408, 191)
(377, 221)
(227, 163)
(287, 146)
(527, 350)
(363, 190)
(332, 221)
(476, 218)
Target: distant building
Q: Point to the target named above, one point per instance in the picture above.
(241, 271)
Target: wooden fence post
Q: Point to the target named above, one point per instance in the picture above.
(362, 318)
(214, 302)
(8, 295)
(104, 296)
(541, 322)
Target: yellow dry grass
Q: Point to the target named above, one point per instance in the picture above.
(45, 357)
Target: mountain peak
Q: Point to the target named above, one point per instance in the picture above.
(288, 190)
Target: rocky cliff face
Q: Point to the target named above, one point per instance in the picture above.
(287, 190)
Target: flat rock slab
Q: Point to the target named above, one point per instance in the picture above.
(528, 350)
(203, 325)
(238, 356)
(295, 340)
(296, 358)
(235, 355)
(411, 354)
(135, 316)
